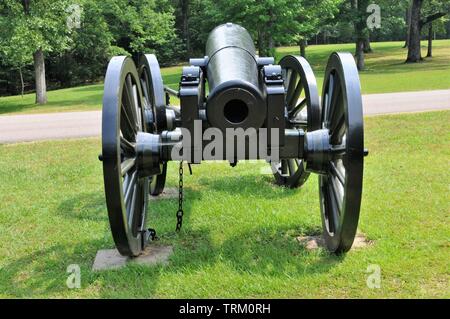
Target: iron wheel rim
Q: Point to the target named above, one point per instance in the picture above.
(122, 118)
(340, 188)
(153, 90)
(299, 78)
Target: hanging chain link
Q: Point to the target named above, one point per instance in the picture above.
(180, 199)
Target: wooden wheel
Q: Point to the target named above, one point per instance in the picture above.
(340, 186)
(302, 111)
(155, 105)
(125, 190)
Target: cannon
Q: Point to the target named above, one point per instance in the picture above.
(256, 110)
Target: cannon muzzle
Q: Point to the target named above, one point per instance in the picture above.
(235, 98)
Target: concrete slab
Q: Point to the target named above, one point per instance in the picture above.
(314, 242)
(107, 259)
(168, 193)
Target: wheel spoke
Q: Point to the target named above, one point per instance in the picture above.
(127, 165)
(129, 187)
(335, 102)
(336, 113)
(291, 87)
(129, 98)
(298, 90)
(338, 149)
(126, 124)
(328, 97)
(334, 211)
(336, 172)
(127, 146)
(291, 165)
(298, 108)
(137, 108)
(284, 168)
(288, 76)
(337, 129)
(131, 212)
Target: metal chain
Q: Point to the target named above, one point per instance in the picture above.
(180, 199)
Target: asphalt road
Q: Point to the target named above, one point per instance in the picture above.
(34, 127)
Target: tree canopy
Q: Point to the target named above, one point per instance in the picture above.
(36, 35)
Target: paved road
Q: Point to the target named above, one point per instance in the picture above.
(22, 128)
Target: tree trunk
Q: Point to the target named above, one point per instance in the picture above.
(261, 45)
(186, 33)
(21, 81)
(360, 31)
(303, 48)
(414, 54)
(39, 69)
(367, 46)
(360, 54)
(271, 45)
(430, 40)
(408, 24)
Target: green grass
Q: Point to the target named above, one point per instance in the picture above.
(385, 68)
(238, 237)
(83, 98)
(386, 72)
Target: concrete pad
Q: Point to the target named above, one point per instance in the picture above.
(107, 259)
(168, 193)
(314, 242)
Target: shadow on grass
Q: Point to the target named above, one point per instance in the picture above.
(262, 186)
(85, 206)
(266, 251)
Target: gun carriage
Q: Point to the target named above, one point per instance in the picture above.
(233, 89)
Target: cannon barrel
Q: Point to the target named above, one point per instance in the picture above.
(235, 98)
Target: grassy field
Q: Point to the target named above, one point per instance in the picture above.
(385, 72)
(238, 238)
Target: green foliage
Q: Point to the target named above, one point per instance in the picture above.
(43, 26)
(140, 25)
(273, 22)
(117, 27)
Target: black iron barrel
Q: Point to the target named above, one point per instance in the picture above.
(235, 98)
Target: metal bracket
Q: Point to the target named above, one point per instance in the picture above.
(273, 80)
(191, 99)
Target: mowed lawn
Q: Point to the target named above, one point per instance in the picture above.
(239, 234)
(386, 72)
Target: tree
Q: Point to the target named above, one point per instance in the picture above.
(355, 12)
(142, 26)
(269, 21)
(35, 28)
(88, 52)
(185, 17)
(437, 10)
(311, 15)
(12, 53)
(408, 23)
(429, 8)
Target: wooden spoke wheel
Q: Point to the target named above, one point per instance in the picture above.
(341, 187)
(158, 182)
(302, 111)
(155, 109)
(126, 191)
(153, 91)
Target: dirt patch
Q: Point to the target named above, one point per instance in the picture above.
(167, 193)
(314, 242)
